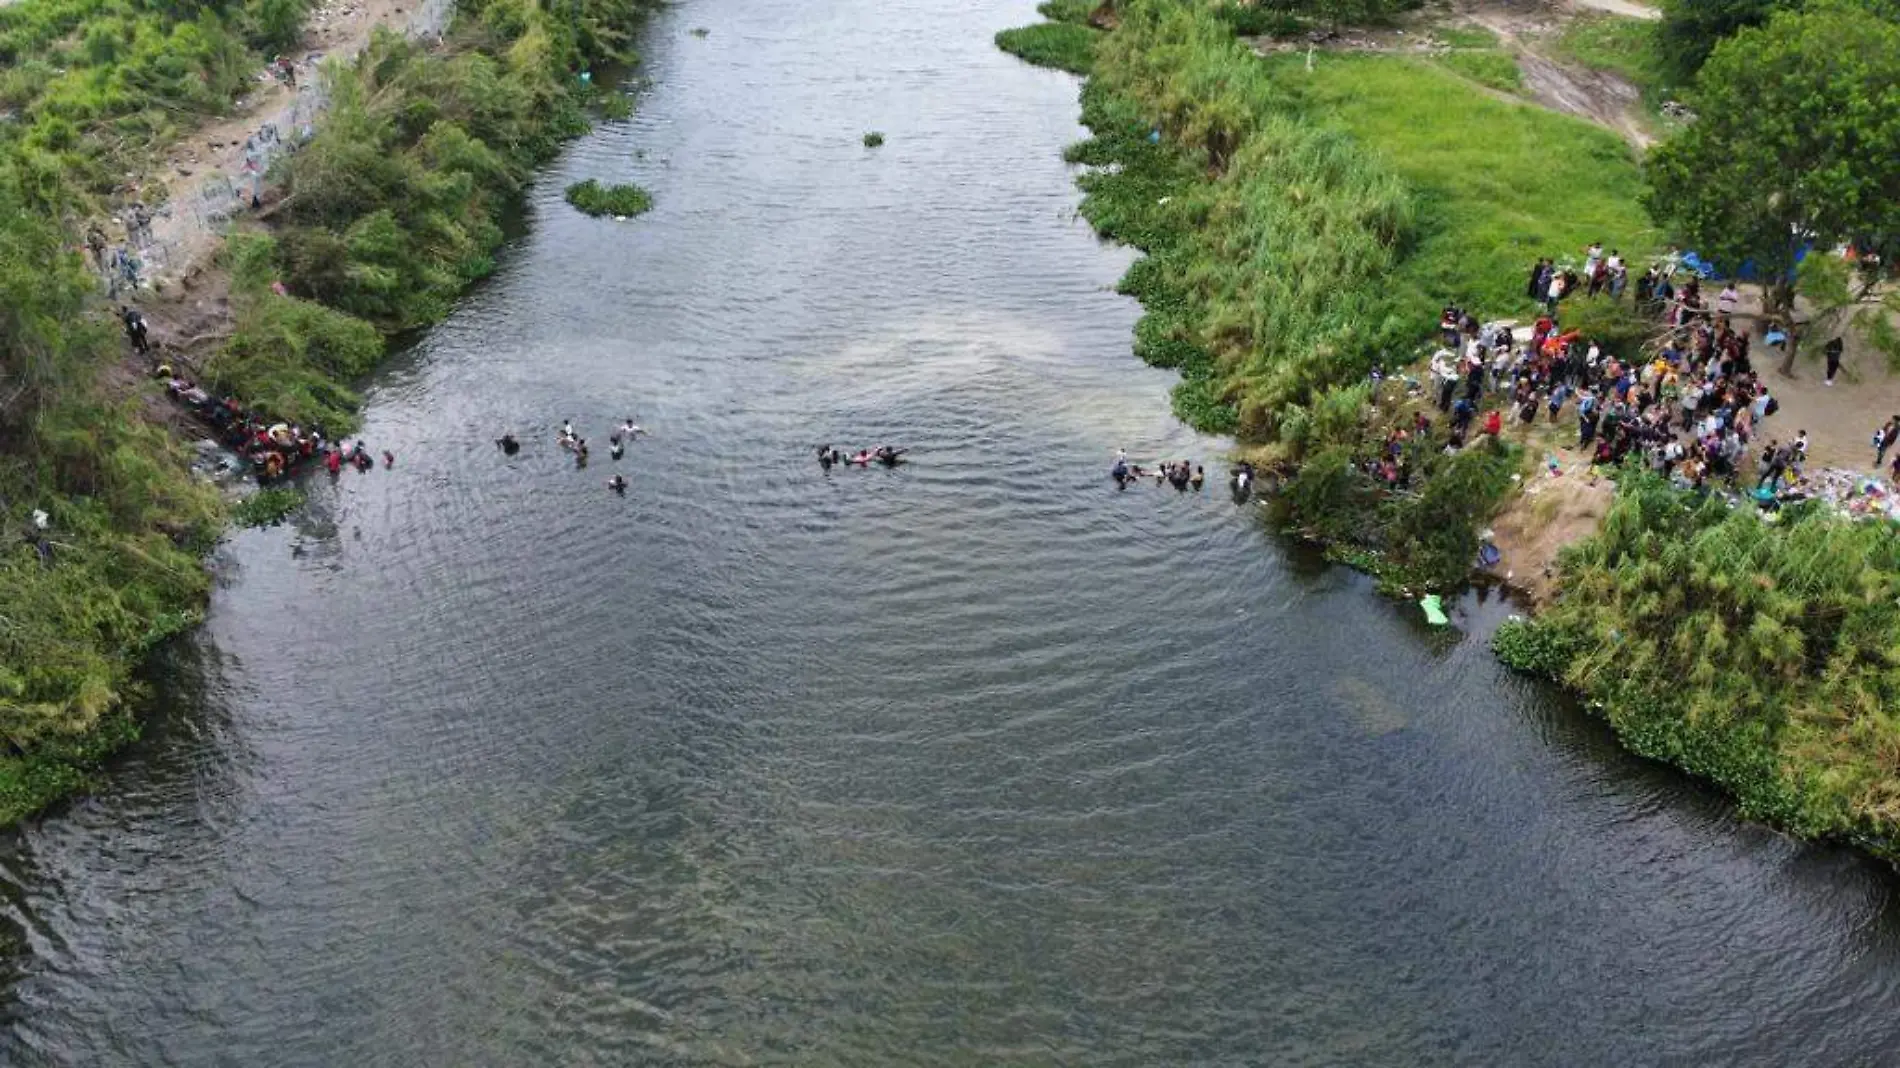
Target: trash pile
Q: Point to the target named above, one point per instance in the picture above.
(1852, 493)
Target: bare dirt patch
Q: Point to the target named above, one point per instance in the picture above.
(1597, 96)
(1549, 512)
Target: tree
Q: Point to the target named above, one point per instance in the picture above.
(1690, 29)
(1840, 294)
(1796, 144)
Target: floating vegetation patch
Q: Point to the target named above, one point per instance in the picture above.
(621, 201)
(267, 507)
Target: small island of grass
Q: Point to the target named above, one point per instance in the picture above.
(873, 139)
(618, 200)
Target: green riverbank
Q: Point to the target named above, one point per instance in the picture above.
(388, 213)
(1304, 226)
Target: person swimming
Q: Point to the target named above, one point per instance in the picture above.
(389, 458)
(888, 456)
(1119, 472)
(631, 429)
(618, 485)
(1198, 477)
(862, 458)
(616, 450)
(827, 456)
(567, 428)
(508, 444)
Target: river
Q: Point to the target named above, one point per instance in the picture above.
(976, 761)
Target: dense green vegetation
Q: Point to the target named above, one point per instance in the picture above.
(100, 529)
(92, 85)
(390, 210)
(1303, 226)
(1062, 45)
(625, 201)
(1760, 655)
(873, 139)
(1691, 29)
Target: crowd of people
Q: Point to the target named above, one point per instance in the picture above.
(272, 450)
(1181, 474)
(1690, 404)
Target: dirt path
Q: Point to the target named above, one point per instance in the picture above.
(210, 176)
(1597, 96)
(1621, 7)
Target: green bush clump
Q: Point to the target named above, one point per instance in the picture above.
(593, 198)
(1062, 45)
(291, 357)
(1279, 233)
(267, 507)
(1075, 11)
(873, 139)
(1533, 647)
(1758, 654)
(616, 107)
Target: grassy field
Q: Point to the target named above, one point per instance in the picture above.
(1501, 183)
(1489, 67)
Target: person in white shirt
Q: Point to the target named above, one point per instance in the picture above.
(1446, 375)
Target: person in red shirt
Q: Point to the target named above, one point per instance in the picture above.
(1493, 422)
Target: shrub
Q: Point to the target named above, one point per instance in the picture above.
(1062, 45)
(267, 507)
(592, 198)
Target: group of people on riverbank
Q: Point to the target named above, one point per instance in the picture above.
(1692, 408)
(1688, 402)
(272, 449)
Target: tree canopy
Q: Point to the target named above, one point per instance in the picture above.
(1690, 29)
(1796, 141)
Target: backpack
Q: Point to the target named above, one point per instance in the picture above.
(1772, 407)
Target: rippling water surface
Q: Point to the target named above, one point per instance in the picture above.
(971, 762)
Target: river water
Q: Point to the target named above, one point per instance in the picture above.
(972, 762)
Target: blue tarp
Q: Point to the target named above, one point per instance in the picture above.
(1748, 272)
